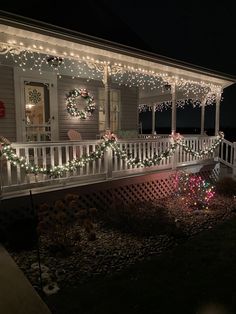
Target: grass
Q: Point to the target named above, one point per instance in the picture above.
(199, 271)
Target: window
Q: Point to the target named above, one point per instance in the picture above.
(115, 109)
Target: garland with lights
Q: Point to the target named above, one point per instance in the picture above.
(202, 152)
(71, 103)
(109, 141)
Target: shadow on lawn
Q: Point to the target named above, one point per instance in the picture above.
(195, 277)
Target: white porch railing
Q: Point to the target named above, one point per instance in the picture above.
(38, 132)
(227, 154)
(157, 136)
(151, 136)
(47, 155)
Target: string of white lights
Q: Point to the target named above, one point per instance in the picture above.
(181, 103)
(43, 59)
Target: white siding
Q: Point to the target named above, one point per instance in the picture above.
(8, 123)
(87, 128)
(129, 108)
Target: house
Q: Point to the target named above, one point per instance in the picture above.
(54, 80)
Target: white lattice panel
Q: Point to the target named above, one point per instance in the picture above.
(104, 195)
(147, 190)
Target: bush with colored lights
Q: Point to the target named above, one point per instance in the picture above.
(193, 190)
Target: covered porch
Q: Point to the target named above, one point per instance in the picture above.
(53, 82)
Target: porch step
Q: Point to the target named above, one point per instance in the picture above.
(17, 294)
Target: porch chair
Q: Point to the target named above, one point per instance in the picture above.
(75, 136)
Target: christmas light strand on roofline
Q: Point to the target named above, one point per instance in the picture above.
(181, 103)
(164, 105)
(40, 58)
(109, 141)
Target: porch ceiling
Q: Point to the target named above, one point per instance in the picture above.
(79, 59)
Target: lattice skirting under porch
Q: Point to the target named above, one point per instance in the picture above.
(144, 188)
(103, 195)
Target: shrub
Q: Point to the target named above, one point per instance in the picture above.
(226, 186)
(142, 218)
(57, 221)
(192, 191)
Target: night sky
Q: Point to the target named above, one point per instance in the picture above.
(197, 32)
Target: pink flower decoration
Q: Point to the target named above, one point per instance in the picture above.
(176, 136)
(110, 136)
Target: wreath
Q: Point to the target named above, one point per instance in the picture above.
(71, 103)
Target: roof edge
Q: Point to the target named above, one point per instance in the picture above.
(29, 24)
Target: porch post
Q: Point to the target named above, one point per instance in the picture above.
(106, 82)
(153, 120)
(217, 116)
(203, 116)
(173, 115)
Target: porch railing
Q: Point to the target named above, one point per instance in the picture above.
(227, 154)
(38, 132)
(47, 155)
(151, 136)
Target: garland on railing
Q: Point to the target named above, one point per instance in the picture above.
(147, 162)
(109, 141)
(202, 152)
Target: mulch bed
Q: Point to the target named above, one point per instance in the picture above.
(115, 250)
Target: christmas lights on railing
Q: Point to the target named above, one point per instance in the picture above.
(109, 142)
(203, 152)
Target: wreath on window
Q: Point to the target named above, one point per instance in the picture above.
(72, 103)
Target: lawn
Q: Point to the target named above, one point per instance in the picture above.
(192, 275)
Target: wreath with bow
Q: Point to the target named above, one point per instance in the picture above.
(72, 103)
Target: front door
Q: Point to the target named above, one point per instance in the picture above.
(37, 117)
(37, 111)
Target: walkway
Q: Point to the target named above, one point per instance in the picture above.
(17, 296)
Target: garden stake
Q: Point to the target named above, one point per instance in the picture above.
(37, 240)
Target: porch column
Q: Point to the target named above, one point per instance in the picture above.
(106, 82)
(203, 116)
(217, 116)
(153, 120)
(173, 115)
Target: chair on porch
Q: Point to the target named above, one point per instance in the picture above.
(75, 136)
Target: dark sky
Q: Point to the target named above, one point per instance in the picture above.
(199, 32)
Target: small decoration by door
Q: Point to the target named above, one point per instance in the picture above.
(2, 109)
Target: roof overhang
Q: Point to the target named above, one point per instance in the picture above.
(37, 36)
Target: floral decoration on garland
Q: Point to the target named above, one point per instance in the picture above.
(109, 141)
(72, 103)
